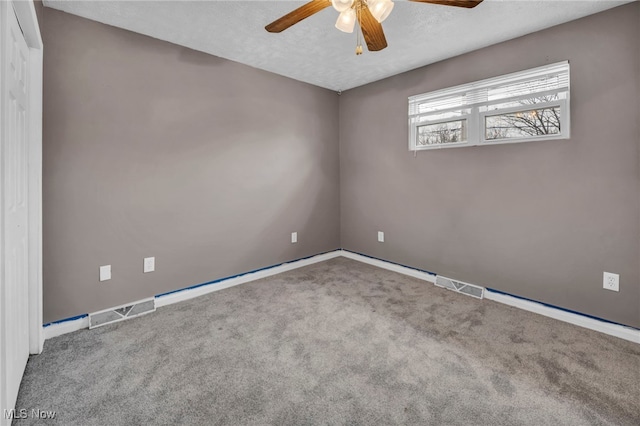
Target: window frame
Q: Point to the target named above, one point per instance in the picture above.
(479, 107)
(564, 128)
(465, 117)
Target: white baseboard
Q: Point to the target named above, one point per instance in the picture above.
(71, 325)
(405, 270)
(190, 293)
(621, 331)
(617, 330)
(64, 327)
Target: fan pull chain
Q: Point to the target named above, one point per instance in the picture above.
(358, 6)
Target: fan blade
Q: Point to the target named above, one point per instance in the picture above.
(460, 3)
(371, 29)
(303, 12)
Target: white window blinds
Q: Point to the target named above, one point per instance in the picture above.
(526, 98)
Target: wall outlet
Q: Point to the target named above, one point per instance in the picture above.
(149, 264)
(611, 281)
(294, 237)
(380, 237)
(105, 272)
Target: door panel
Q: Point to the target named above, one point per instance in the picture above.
(14, 307)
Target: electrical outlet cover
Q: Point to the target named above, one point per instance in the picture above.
(105, 272)
(611, 281)
(149, 264)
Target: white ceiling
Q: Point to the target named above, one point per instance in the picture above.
(314, 51)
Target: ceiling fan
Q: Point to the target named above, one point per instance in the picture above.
(368, 13)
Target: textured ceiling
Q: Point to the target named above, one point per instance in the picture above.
(314, 51)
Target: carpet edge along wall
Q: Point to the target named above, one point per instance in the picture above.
(79, 322)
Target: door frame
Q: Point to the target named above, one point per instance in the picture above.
(26, 13)
(28, 20)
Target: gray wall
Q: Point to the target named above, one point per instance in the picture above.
(151, 149)
(541, 220)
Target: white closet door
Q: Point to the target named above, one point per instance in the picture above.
(14, 307)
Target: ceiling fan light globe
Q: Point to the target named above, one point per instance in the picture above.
(342, 5)
(380, 9)
(346, 21)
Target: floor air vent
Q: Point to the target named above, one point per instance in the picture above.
(460, 287)
(121, 313)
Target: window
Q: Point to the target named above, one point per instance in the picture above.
(520, 107)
